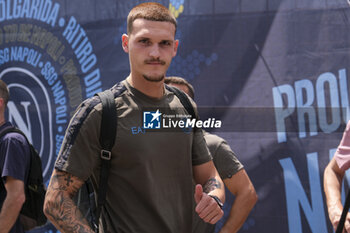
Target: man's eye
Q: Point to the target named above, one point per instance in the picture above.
(167, 43)
(144, 41)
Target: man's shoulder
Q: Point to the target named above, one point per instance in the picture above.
(213, 140)
(13, 136)
(93, 103)
(15, 147)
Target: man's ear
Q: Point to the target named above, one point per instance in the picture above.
(176, 45)
(125, 43)
(2, 105)
(2, 102)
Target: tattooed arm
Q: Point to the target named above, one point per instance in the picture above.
(209, 184)
(59, 207)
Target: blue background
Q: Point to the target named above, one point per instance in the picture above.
(234, 52)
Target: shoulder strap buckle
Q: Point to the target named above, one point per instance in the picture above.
(106, 155)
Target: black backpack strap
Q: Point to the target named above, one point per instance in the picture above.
(343, 214)
(12, 129)
(184, 100)
(107, 139)
(6, 130)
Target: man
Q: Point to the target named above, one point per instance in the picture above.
(231, 172)
(14, 168)
(333, 177)
(150, 181)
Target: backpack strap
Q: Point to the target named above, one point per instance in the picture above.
(7, 130)
(13, 129)
(184, 100)
(107, 139)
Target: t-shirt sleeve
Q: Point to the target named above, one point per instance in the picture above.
(17, 157)
(79, 154)
(226, 161)
(342, 154)
(200, 151)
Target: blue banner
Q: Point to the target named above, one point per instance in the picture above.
(274, 72)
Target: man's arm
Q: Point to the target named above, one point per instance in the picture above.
(208, 183)
(12, 205)
(59, 207)
(332, 181)
(240, 186)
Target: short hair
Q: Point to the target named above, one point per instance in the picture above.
(180, 81)
(4, 92)
(150, 11)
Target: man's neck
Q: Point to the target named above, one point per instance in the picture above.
(151, 89)
(2, 120)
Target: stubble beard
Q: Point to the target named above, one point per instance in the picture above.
(154, 78)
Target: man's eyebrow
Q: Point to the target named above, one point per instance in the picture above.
(142, 38)
(170, 41)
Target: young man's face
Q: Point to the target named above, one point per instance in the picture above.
(151, 47)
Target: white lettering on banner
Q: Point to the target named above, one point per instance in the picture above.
(61, 68)
(297, 198)
(328, 79)
(4, 55)
(304, 107)
(330, 111)
(319, 106)
(76, 36)
(15, 116)
(25, 54)
(42, 10)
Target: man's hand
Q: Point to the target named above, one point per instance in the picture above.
(207, 208)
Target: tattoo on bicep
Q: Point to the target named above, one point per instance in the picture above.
(211, 184)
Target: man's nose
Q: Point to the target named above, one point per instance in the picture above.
(155, 51)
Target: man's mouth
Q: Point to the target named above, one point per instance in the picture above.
(155, 62)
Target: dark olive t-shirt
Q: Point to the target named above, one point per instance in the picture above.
(150, 182)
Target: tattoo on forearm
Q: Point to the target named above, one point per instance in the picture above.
(68, 179)
(64, 182)
(60, 208)
(212, 184)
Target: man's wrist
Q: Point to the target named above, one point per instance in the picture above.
(218, 201)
